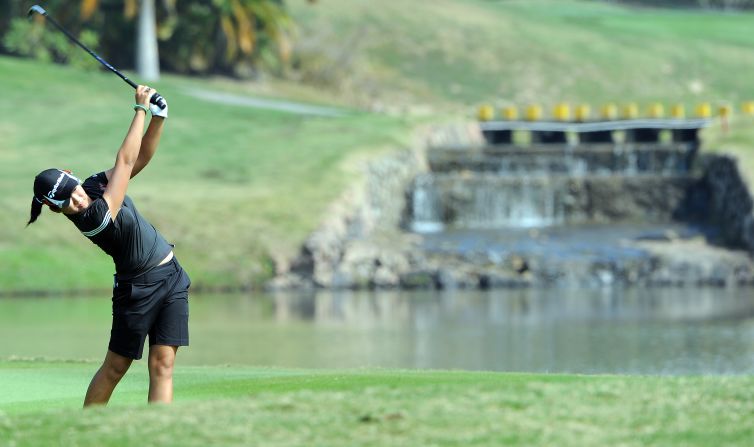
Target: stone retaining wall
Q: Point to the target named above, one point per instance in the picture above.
(730, 201)
(374, 205)
(360, 243)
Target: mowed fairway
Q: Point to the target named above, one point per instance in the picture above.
(39, 405)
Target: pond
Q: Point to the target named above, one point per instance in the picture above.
(635, 331)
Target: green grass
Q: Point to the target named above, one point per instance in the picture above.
(39, 405)
(238, 189)
(465, 52)
(234, 188)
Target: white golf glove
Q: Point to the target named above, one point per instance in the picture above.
(157, 111)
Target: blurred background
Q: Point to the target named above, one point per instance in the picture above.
(279, 107)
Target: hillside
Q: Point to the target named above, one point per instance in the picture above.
(521, 51)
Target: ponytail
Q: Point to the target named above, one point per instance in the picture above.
(36, 210)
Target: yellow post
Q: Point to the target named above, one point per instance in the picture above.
(631, 111)
(533, 112)
(725, 111)
(510, 113)
(486, 113)
(656, 110)
(609, 111)
(748, 108)
(583, 112)
(703, 110)
(562, 112)
(678, 111)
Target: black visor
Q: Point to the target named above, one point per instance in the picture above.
(54, 187)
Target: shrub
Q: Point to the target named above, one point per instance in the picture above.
(30, 39)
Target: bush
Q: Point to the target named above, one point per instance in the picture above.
(234, 37)
(29, 39)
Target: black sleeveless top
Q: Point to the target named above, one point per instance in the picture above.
(133, 243)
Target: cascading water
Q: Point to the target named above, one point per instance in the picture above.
(541, 208)
(486, 201)
(426, 206)
(518, 188)
(552, 215)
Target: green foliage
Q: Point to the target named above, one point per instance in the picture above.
(230, 36)
(234, 37)
(25, 38)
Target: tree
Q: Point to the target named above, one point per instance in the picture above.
(147, 53)
(237, 37)
(229, 36)
(244, 23)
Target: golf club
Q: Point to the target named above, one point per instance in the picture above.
(155, 99)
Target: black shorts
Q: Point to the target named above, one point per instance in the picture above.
(155, 304)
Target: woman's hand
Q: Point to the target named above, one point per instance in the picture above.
(157, 111)
(143, 93)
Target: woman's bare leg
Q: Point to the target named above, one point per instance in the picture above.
(106, 378)
(161, 361)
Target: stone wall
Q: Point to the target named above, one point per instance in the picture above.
(376, 204)
(361, 243)
(730, 201)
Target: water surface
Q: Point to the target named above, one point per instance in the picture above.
(659, 331)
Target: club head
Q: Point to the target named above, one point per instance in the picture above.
(38, 9)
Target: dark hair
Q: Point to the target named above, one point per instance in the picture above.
(36, 210)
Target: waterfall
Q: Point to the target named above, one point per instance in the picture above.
(487, 201)
(426, 206)
(493, 188)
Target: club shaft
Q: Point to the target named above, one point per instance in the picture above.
(92, 53)
(154, 99)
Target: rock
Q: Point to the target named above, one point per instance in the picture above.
(397, 262)
(449, 278)
(361, 244)
(288, 282)
(518, 264)
(496, 280)
(343, 280)
(419, 280)
(385, 278)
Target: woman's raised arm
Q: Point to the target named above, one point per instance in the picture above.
(127, 155)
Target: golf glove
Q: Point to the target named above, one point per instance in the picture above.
(157, 111)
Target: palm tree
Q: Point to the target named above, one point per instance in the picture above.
(147, 55)
(241, 21)
(211, 34)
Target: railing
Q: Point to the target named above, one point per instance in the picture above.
(634, 131)
(629, 127)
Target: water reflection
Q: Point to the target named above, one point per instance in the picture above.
(663, 331)
(660, 331)
(517, 306)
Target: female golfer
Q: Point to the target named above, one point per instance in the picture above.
(150, 292)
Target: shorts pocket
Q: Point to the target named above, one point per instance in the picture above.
(121, 292)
